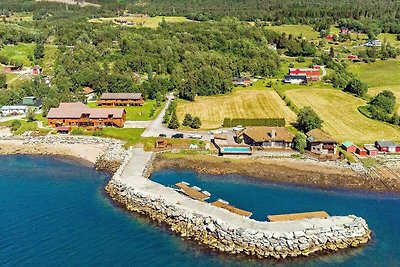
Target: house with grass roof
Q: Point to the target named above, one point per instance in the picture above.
(321, 143)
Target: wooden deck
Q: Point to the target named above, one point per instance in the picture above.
(298, 216)
(231, 208)
(190, 192)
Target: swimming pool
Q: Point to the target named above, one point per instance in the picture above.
(235, 150)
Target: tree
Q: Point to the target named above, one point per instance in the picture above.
(385, 100)
(300, 142)
(196, 123)
(39, 51)
(174, 122)
(357, 87)
(31, 114)
(308, 120)
(332, 52)
(187, 120)
(3, 80)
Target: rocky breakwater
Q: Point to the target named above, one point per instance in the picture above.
(230, 233)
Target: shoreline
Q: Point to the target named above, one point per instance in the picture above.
(278, 171)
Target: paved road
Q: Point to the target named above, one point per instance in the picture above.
(156, 127)
(10, 118)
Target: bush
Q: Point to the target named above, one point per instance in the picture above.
(196, 123)
(15, 125)
(308, 120)
(254, 122)
(357, 87)
(98, 133)
(188, 120)
(77, 132)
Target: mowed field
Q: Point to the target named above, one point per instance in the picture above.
(242, 103)
(341, 118)
(296, 30)
(379, 73)
(394, 88)
(150, 22)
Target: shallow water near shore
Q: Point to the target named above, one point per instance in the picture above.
(54, 212)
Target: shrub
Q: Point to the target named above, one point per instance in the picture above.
(15, 125)
(196, 123)
(77, 131)
(188, 120)
(308, 120)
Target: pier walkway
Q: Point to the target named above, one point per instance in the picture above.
(132, 176)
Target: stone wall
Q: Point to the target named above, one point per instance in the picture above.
(341, 232)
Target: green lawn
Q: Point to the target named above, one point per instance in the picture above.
(25, 127)
(131, 136)
(296, 30)
(379, 73)
(19, 52)
(137, 113)
(39, 117)
(390, 38)
(49, 59)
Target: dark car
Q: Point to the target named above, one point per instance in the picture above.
(162, 135)
(177, 135)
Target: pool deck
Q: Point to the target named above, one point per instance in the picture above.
(132, 176)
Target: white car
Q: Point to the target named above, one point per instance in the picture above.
(238, 128)
(216, 132)
(195, 136)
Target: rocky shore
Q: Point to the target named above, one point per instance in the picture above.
(106, 154)
(227, 232)
(286, 171)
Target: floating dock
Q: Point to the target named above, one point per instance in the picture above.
(298, 216)
(231, 208)
(191, 192)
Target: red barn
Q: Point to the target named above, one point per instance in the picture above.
(312, 74)
(386, 146)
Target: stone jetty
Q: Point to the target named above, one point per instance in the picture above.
(224, 231)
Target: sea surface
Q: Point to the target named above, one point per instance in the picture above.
(53, 212)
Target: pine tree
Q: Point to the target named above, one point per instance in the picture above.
(196, 123)
(174, 122)
(187, 121)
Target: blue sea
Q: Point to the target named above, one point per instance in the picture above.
(53, 212)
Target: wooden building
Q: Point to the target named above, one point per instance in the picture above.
(372, 151)
(121, 99)
(321, 143)
(349, 147)
(244, 81)
(387, 146)
(80, 115)
(361, 151)
(270, 137)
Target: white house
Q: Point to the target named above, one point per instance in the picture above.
(13, 110)
(295, 79)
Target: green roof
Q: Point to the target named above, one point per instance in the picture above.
(347, 143)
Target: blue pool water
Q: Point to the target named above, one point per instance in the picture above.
(53, 212)
(236, 149)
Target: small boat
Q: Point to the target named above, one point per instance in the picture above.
(196, 188)
(223, 201)
(206, 193)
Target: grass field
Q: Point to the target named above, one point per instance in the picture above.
(394, 88)
(390, 38)
(137, 113)
(341, 118)
(242, 103)
(377, 74)
(49, 59)
(296, 30)
(19, 52)
(150, 22)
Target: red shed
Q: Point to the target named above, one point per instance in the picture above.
(361, 151)
(349, 147)
(372, 151)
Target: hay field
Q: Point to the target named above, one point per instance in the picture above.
(379, 73)
(394, 88)
(341, 118)
(296, 30)
(241, 103)
(150, 22)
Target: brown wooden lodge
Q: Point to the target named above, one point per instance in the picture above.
(121, 99)
(269, 137)
(79, 115)
(321, 143)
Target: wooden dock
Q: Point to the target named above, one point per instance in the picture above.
(193, 193)
(298, 216)
(231, 208)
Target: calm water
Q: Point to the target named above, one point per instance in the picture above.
(53, 212)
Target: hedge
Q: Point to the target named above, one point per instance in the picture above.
(228, 122)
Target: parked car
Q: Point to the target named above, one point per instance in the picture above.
(195, 136)
(177, 135)
(216, 132)
(162, 135)
(238, 128)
